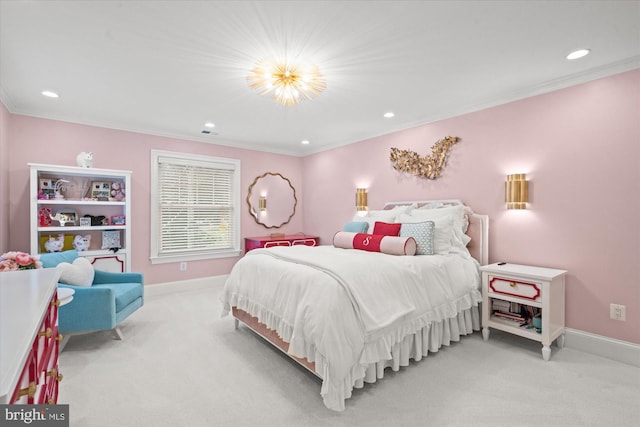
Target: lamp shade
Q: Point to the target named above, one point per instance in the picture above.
(361, 199)
(517, 191)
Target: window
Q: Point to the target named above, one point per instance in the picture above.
(195, 207)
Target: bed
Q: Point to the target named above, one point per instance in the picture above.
(348, 314)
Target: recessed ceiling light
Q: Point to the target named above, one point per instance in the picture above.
(389, 114)
(49, 94)
(209, 125)
(304, 142)
(578, 53)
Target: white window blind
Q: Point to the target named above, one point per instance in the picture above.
(196, 207)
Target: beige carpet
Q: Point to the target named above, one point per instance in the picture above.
(180, 364)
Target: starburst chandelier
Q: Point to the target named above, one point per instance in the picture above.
(287, 82)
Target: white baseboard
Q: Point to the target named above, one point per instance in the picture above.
(184, 285)
(621, 351)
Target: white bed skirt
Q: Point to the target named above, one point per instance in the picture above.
(414, 346)
(388, 351)
(428, 339)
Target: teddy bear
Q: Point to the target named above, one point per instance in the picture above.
(54, 244)
(117, 192)
(81, 243)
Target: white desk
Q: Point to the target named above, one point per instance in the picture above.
(25, 296)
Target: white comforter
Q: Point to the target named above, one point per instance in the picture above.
(344, 308)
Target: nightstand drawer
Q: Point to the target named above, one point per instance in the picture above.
(515, 288)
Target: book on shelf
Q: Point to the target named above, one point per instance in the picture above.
(501, 305)
(510, 316)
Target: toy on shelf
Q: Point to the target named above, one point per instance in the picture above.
(85, 159)
(97, 219)
(54, 244)
(81, 243)
(65, 216)
(117, 192)
(44, 217)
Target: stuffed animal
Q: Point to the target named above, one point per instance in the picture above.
(85, 159)
(54, 244)
(117, 192)
(81, 243)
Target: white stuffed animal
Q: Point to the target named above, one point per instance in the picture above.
(81, 243)
(54, 244)
(85, 159)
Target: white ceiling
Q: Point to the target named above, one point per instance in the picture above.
(167, 67)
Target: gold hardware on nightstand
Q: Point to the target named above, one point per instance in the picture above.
(512, 284)
(59, 337)
(47, 333)
(29, 391)
(56, 303)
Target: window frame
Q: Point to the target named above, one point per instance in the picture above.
(155, 235)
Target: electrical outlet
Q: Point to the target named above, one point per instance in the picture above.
(618, 312)
(183, 266)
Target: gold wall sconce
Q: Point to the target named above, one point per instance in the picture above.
(361, 199)
(517, 191)
(262, 203)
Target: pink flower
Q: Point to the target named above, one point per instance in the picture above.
(8, 265)
(24, 259)
(11, 261)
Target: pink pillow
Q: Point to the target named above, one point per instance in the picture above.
(386, 228)
(391, 245)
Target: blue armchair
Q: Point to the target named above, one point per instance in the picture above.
(102, 306)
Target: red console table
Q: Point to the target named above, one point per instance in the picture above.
(282, 240)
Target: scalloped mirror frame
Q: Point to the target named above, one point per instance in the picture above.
(254, 209)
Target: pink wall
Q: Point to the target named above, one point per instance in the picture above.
(580, 148)
(35, 140)
(4, 178)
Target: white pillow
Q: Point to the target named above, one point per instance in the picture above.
(80, 273)
(457, 212)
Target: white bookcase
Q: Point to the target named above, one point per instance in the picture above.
(80, 192)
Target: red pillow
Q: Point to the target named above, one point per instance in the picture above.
(386, 229)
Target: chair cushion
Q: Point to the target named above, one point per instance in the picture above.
(125, 293)
(52, 259)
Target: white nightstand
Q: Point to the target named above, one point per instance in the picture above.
(511, 289)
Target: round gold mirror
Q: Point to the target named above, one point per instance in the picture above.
(272, 200)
